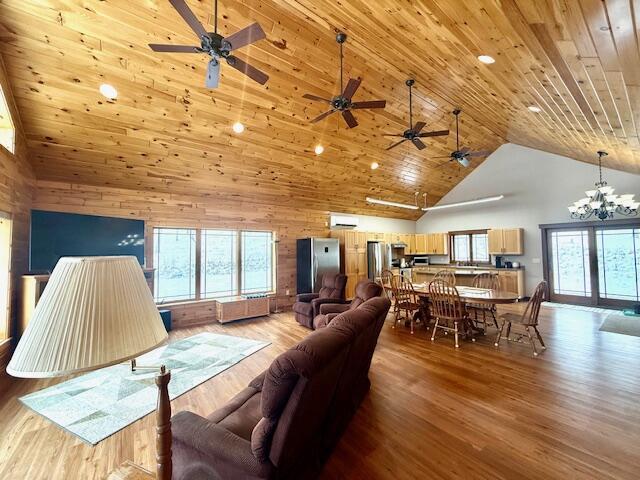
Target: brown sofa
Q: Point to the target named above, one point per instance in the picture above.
(285, 423)
(365, 290)
(307, 305)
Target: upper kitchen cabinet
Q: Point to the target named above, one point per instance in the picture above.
(506, 241)
(437, 243)
(421, 243)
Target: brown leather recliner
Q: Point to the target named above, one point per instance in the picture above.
(365, 290)
(288, 419)
(307, 305)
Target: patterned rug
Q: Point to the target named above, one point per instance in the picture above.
(98, 404)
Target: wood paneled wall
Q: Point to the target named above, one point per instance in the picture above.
(213, 211)
(16, 188)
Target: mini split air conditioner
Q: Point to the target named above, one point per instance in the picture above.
(343, 222)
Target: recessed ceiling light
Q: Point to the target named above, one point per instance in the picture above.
(109, 91)
(486, 59)
(238, 127)
(319, 149)
(534, 109)
(374, 165)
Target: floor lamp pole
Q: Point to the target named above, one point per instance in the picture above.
(164, 465)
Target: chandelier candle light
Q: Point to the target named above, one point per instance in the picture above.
(601, 202)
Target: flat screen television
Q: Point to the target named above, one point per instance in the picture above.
(55, 235)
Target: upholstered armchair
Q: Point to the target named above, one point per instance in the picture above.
(307, 305)
(365, 290)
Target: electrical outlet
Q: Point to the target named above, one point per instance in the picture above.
(287, 291)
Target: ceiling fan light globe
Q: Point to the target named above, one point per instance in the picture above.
(595, 205)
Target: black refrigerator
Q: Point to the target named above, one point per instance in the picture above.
(315, 258)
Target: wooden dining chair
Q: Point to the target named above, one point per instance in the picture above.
(446, 275)
(387, 282)
(407, 301)
(489, 281)
(527, 321)
(448, 309)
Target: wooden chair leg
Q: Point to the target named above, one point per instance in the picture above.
(532, 341)
(411, 314)
(433, 334)
(509, 331)
(484, 321)
(497, 342)
(495, 320)
(455, 330)
(544, 347)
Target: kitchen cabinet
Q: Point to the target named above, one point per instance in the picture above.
(506, 241)
(353, 257)
(512, 281)
(437, 243)
(421, 243)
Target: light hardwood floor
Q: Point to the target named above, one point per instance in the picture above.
(433, 412)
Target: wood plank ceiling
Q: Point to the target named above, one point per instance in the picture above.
(577, 60)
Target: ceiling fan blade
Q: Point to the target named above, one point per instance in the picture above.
(320, 117)
(369, 104)
(349, 118)
(351, 88)
(246, 36)
(436, 133)
(156, 47)
(465, 150)
(392, 135)
(251, 72)
(481, 153)
(464, 162)
(418, 143)
(418, 126)
(396, 144)
(189, 17)
(315, 98)
(213, 74)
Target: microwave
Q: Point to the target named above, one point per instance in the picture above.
(421, 260)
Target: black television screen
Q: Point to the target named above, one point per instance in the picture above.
(55, 235)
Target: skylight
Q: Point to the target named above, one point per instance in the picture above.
(7, 130)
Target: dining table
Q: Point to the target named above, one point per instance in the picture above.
(468, 295)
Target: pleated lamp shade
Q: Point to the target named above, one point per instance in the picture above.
(94, 312)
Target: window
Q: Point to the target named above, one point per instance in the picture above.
(257, 274)
(174, 258)
(219, 269)
(7, 130)
(225, 263)
(471, 246)
(5, 272)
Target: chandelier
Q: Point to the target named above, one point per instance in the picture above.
(601, 202)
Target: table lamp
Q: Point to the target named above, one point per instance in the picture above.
(96, 312)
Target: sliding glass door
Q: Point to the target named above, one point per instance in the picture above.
(618, 252)
(570, 266)
(594, 264)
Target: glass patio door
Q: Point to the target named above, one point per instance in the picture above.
(570, 263)
(618, 253)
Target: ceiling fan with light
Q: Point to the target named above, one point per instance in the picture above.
(217, 46)
(462, 155)
(414, 132)
(342, 102)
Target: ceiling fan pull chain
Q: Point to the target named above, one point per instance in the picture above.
(341, 87)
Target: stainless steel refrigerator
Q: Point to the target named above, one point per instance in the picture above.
(378, 259)
(315, 258)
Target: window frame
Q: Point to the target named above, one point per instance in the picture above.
(10, 130)
(469, 234)
(237, 257)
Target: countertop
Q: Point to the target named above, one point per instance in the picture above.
(472, 270)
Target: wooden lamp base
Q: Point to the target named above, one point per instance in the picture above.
(129, 470)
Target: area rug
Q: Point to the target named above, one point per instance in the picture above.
(98, 404)
(622, 324)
